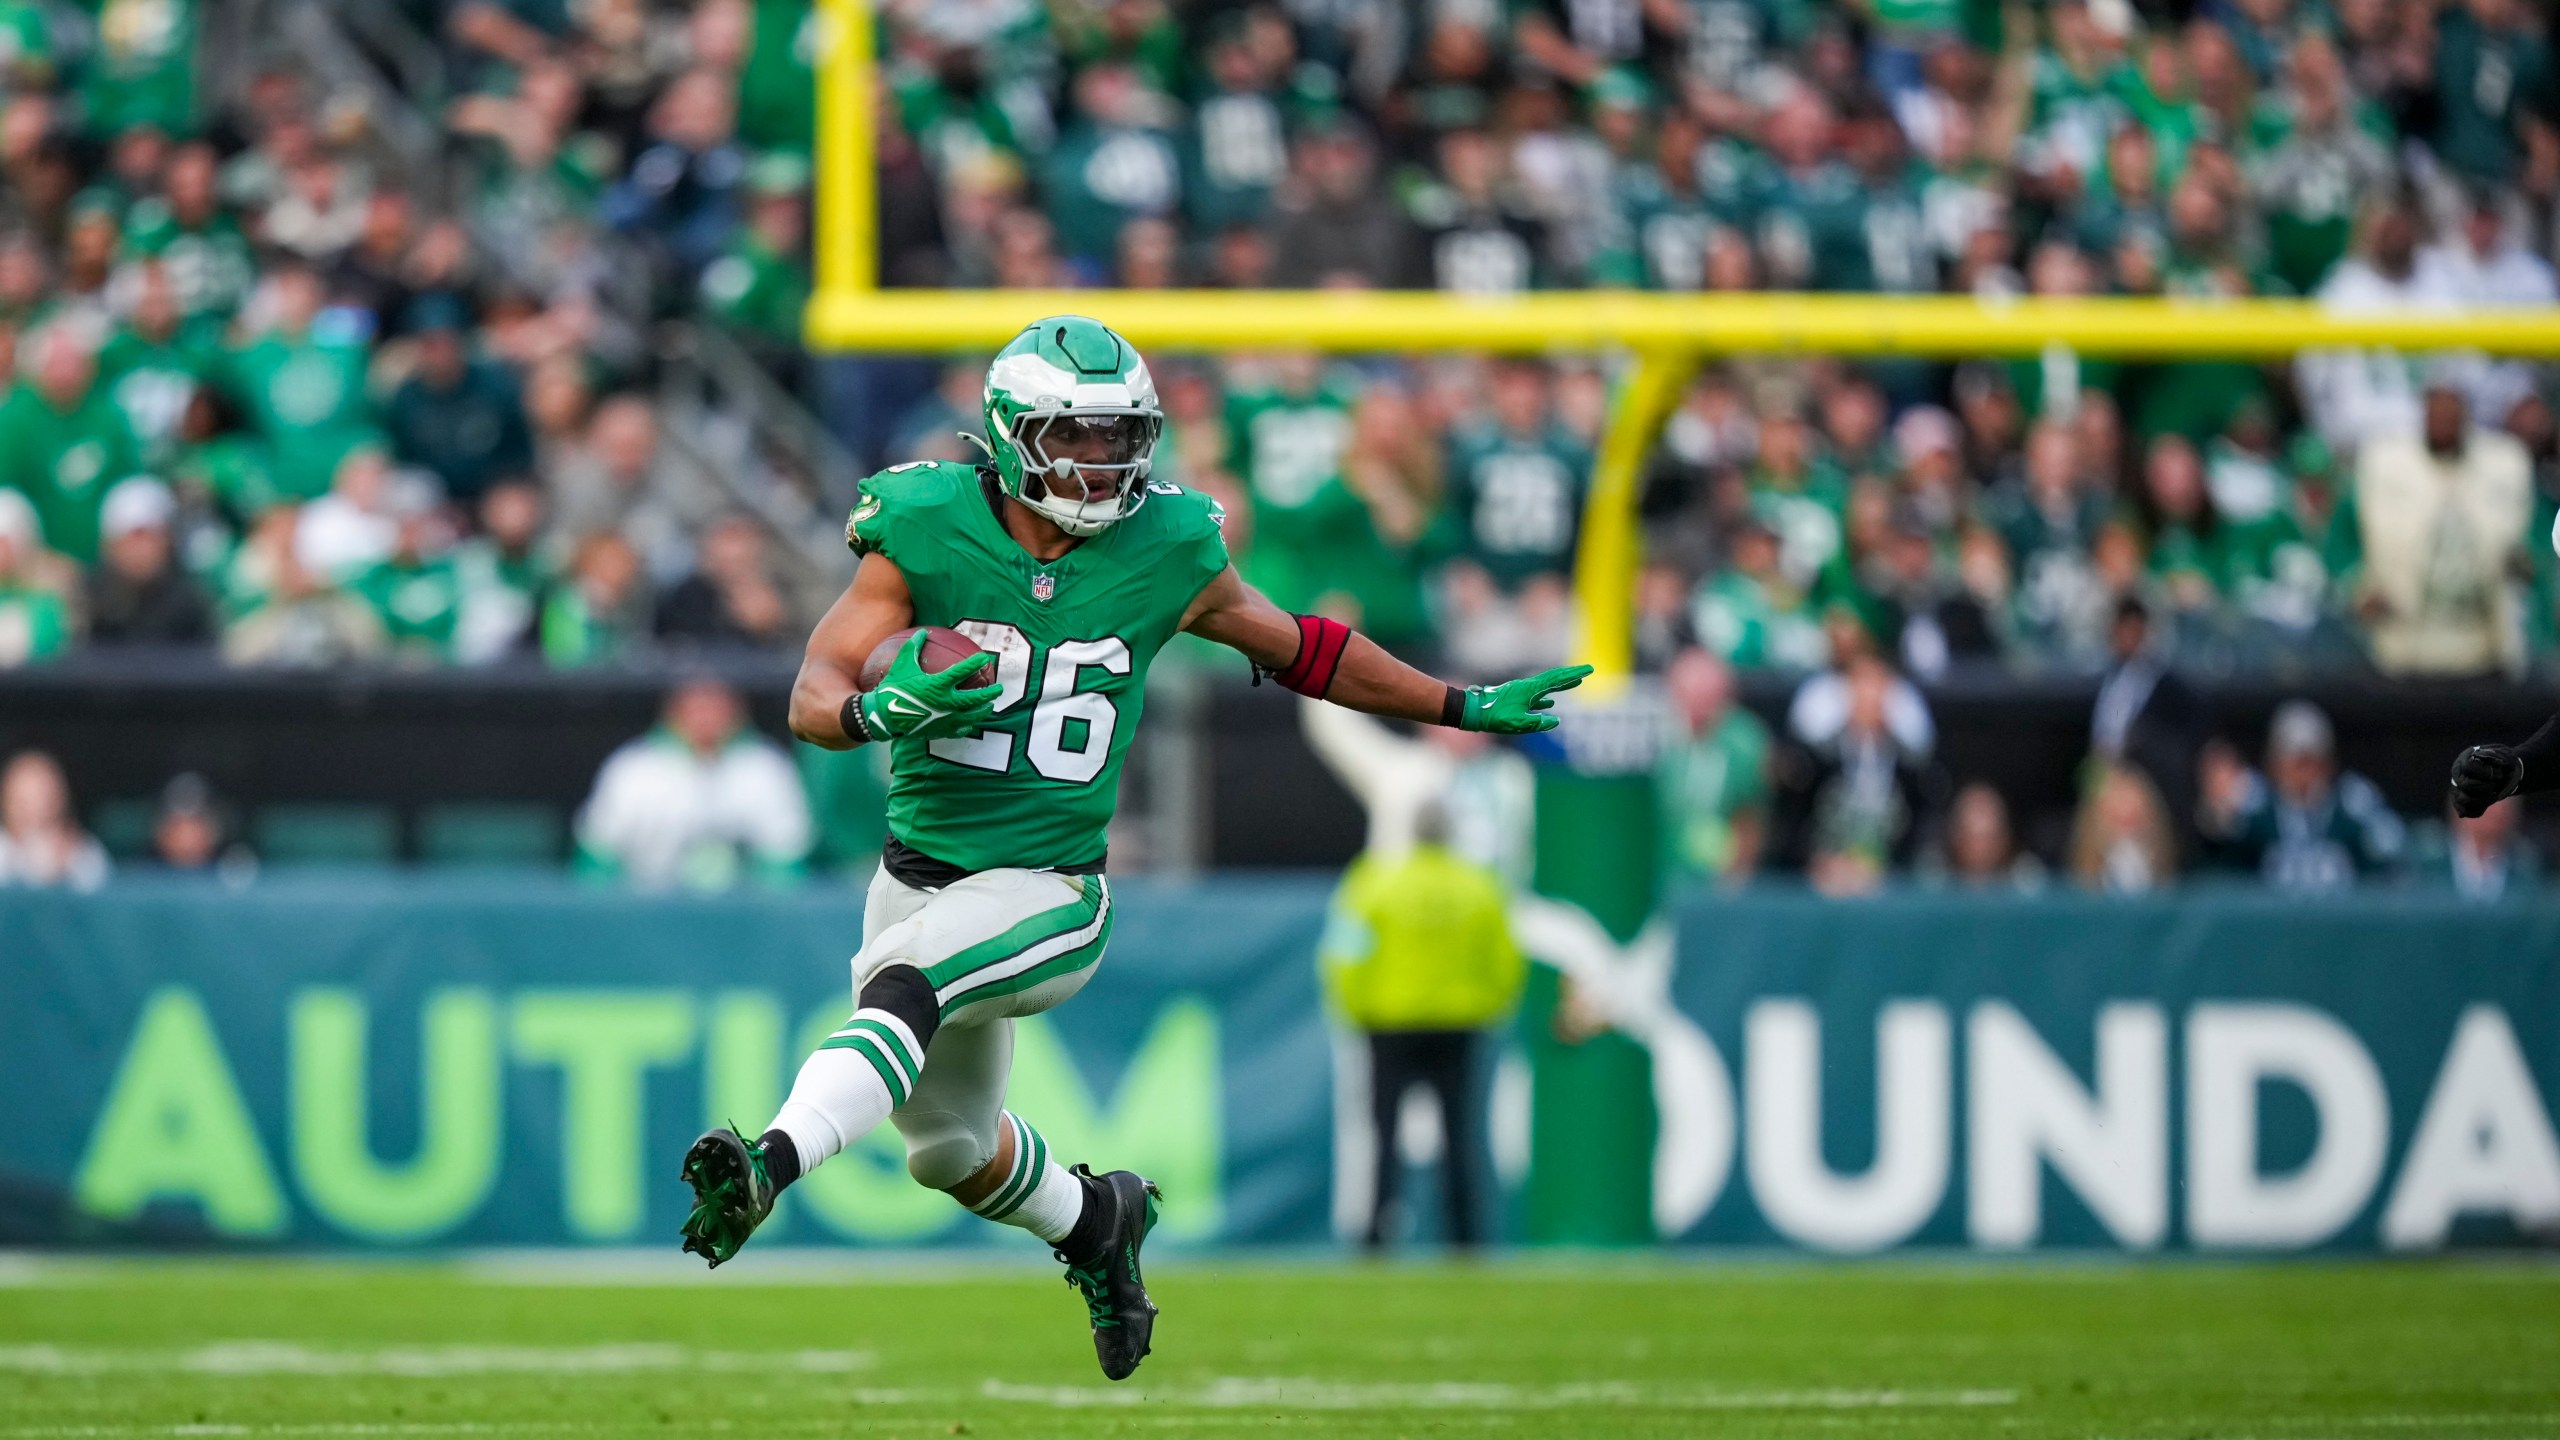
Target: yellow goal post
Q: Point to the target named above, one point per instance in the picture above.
(1662, 337)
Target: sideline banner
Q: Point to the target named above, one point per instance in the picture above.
(429, 1061)
(388, 1061)
(2230, 1070)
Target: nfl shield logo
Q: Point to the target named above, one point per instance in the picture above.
(1042, 587)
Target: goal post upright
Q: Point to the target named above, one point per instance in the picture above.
(845, 223)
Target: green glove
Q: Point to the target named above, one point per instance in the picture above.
(910, 702)
(1517, 707)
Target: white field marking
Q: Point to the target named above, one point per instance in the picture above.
(318, 1428)
(2390, 1420)
(279, 1357)
(1259, 1392)
(428, 1429)
(772, 1265)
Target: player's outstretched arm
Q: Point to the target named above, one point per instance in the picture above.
(1330, 661)
(875, 604)
(2486, 774)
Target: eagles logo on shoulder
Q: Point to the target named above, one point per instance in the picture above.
(869, 507)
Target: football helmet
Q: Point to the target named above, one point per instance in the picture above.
(1070, 402)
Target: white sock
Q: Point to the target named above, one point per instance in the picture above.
(849, 1085)
(1037, 1194)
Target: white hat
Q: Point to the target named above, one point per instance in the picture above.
(1926, 428)
(2300, 728)
(140, 503)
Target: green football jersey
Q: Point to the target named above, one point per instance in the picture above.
(1072, 637)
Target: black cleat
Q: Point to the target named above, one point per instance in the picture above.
(731, 1194)
(1115, 1297)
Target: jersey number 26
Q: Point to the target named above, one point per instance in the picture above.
(1046, 743)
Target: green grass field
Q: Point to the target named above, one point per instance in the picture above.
(1610, 1346)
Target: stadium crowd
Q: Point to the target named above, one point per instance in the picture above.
(268, 396)
(272, 394)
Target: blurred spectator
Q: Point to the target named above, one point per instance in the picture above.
(600, 611)
(1925, 614)
(139, 594)
(729, 599)
(1516, 483)
(301, 378)
(2051, 522)
(154, 363)
(2123, 841)
(1489, 633)
(355, 526)
(2328, 149)
(558, 405)
(34, 621)
(2493, 91)
(193, 832)
(1237, 151)
(681, 192)
(1477, 234)
(457, 417)
(63, 442)
(2440, 518)
(196, 241)
(2485, 858)
(701, 802)
(2351, 396)
(1751, 614)
(372, 275)
(499, 576)
(759, 284)
(622, 481)
(1981, 852)
(1858, 795)
(2146, 718)
(286, 614)
(1821, 706)
(1715, 774)
(41, 842)
(1286, 442)
(1336, 227)
(1114, 163)
(2304, 826)
(1418, 957)
(1392, 465)
(414, 592)
(2482, 267)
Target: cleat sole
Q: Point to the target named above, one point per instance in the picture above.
(715, 1168)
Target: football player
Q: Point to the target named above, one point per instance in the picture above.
(1070, 568)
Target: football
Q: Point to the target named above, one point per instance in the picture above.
(943, 648)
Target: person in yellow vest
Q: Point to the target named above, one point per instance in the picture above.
(1419, 958)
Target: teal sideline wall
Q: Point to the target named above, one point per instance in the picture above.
(404, 1061)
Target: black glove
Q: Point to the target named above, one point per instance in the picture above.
(2484, 775)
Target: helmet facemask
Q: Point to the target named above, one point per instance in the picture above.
(1087, 464)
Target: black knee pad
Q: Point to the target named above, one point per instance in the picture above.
(903, 991)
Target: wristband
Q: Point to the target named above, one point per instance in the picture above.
(849, 716)
(1453, 708)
